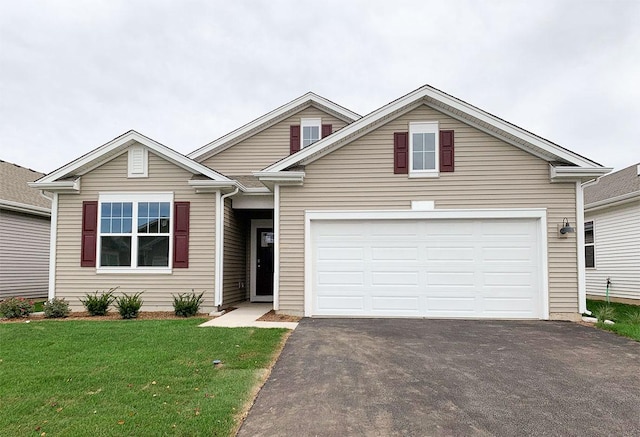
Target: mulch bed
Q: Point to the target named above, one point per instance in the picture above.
(111, 315)
(271, 316)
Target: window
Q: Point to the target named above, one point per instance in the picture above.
(423, 149)
(311, 129)
(135, 231)
(589, 245)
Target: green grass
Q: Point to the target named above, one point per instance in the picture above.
(38, 306)
(627, 321)
(134, 377)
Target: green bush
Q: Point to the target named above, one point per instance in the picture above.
(129, 305)
(15, 307)
(605, 312)
(633, 317)
(98, 305)
(187, 304)
(56, 308)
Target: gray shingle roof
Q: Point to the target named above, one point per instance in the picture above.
(14, 188)
(616, 184)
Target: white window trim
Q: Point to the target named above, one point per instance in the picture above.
(131, 173)
(310, 122)
(595, 264)
(134, 198)
(424, 127)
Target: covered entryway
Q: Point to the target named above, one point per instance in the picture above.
(437, 265)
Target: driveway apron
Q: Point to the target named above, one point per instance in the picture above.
(386, 377)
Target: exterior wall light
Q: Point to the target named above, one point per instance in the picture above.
(566, 227)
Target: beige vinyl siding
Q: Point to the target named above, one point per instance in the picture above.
(266, 147)
(24, 255)
(617, 249)
(234, 256)
(73, 281)
(488, 174)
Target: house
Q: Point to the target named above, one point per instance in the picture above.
(426, 207)
(24, 234)
(612, 235)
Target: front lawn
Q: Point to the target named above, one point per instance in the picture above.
(137, 377)
(626, 317)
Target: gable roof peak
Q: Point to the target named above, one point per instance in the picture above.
(269, 119)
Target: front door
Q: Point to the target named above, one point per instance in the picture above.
(264, 264)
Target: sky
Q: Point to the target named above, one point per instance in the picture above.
(76, 74)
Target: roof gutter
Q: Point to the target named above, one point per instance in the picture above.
(24, 208)
(271, 178)
(67, 187)
(614, 201)
(211, 186)
(572, 174)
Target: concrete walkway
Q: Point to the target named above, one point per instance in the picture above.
(246, 315)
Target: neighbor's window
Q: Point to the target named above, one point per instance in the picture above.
(589, 245)
(423, 148)
(135, 230)
(310, 131)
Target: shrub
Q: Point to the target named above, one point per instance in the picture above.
(98, 305)
(56, 308)
(15, 307)
(129, 305)
(633, 317)
(187, 304)
(605, 312)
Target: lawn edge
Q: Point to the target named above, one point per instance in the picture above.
(261, 381)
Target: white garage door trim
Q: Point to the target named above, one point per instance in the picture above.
(540, 214)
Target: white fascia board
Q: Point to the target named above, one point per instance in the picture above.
(25, 208)
(270, 117)
(613, 201)
(566, 173)
(69, 187)
(121, 142)
(452, 102)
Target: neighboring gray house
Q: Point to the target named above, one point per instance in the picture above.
(25, 217)
(612, 235)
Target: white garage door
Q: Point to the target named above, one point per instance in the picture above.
(427, 268)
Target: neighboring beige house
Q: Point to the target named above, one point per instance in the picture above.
(426, 207)
(612, 235)
(24, 234)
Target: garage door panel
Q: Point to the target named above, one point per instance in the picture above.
(379, 253)
(394, 303)
(432, 268)
(394, 278)
(460, 279)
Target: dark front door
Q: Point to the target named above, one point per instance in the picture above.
(264, 260)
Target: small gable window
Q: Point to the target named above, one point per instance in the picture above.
(311, 129)
(423, 143)
(589, 245)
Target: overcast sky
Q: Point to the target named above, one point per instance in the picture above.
(76, 74)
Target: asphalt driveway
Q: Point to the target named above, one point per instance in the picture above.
(384, 377)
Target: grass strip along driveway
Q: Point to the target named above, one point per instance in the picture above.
(626, 317)
(138, 377)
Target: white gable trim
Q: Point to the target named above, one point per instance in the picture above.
(117, 146)
(271, 118)
(426, 93)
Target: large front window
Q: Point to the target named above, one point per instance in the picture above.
(423, 143)
(135, 230)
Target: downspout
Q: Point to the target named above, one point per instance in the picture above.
(582, 281)
(53, 234)
(219, 284)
